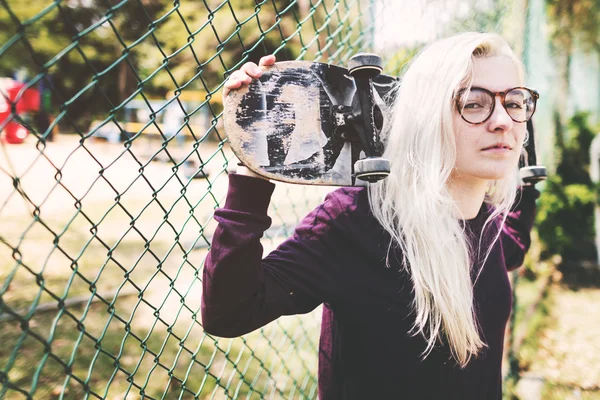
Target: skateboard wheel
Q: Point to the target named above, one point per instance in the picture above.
(365, 61)
(533, 174)
(371, 169)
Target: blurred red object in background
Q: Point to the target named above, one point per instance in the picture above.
(15, 100)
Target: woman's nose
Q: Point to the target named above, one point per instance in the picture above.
(500, 120)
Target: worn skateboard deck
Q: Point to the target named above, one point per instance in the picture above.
(280, 126)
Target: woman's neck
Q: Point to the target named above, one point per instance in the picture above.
(468, 195)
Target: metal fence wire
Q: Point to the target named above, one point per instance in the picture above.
(106, 207)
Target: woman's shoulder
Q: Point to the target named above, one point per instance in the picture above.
(347, 200)
(345, 214)
(341, 208)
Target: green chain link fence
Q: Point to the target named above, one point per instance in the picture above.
(103, 243)
(106, 208)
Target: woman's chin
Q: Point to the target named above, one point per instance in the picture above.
(496, 175)
(495, 171)
(484, 175)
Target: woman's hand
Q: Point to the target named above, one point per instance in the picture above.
(241, 77)
(244, 75)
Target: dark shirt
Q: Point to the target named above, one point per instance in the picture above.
(336, 257)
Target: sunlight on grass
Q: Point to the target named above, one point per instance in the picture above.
(112, 310)
(558, 392)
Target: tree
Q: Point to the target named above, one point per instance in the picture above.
(96, 54)
(71, 46)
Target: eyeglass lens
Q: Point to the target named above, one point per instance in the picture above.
(519, 103)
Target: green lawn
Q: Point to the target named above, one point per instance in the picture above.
(563, 348)
(149, 338)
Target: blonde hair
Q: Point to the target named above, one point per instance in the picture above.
(414, 204)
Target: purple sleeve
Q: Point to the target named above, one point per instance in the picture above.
(516, 233)
(241, 290)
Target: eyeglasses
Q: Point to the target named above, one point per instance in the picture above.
(477, 105)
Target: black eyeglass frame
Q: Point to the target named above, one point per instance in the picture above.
(534, 94)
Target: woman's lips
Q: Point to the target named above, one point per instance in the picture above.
(497, 149)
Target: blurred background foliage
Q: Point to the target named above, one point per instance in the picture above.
(565, 219)
(157, 46)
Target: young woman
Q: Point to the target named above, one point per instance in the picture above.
(412, 271)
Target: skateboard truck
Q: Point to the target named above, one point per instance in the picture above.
(363, 120)
(531, 173)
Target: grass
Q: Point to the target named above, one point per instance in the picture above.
(561, 348)
(531, 310)
(113, 354)
(147, 341)
(536, 322)
(562, 392)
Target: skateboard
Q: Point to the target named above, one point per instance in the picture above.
(312, 123)
(319, 124)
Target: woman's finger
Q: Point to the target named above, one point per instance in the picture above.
(246, 73)
(267, 61)
(235, 81)
(251, 69)
(239, 77)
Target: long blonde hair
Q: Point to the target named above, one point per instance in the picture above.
(414, 204)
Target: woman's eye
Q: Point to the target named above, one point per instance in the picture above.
(472, 106)
(514, 105)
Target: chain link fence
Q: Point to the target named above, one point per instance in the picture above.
(106, 206)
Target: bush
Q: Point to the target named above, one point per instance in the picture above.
(565, 218)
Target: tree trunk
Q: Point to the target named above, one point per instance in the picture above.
(122, 80)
